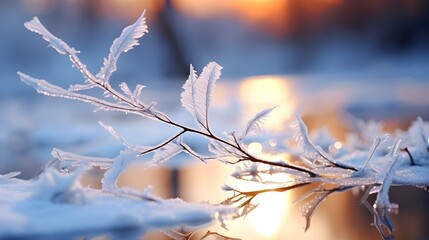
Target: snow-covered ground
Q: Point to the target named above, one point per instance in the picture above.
(341, 77)
(55, 206)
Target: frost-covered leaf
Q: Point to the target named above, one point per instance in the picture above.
(167, 151)
(49, 89)
(217, 149)
(125, 42)
(137, 93)
(254, 124)
(222, 151)
(198, 92)
(120, 164)
(41, 85)
(310, 151)
(61, 47)
(80, 87)
(124, 87)
(192, 153)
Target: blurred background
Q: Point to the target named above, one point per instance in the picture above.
(332, 61)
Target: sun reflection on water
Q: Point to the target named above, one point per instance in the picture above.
(276, 217)
(256, 94)
(269, 215)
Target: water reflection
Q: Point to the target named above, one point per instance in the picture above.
(202, 182)
(268, 217)
(277, 216)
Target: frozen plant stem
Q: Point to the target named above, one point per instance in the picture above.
(374, 164)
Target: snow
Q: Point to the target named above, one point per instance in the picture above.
(31, 207)
(55, 204)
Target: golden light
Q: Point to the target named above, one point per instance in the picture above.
(259, 93)
(256, 94)
(267, 217)
(338, 145)
(255, 148)
(128, 9)
(266, 14)
(276, 17)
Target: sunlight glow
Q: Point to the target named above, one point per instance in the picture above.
(259, 93)
(272, 16)
(255, 148)
(250, 10)
(338, 145)
(267, 217)
(128, 9)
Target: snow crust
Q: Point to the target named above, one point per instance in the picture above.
(56, 204)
